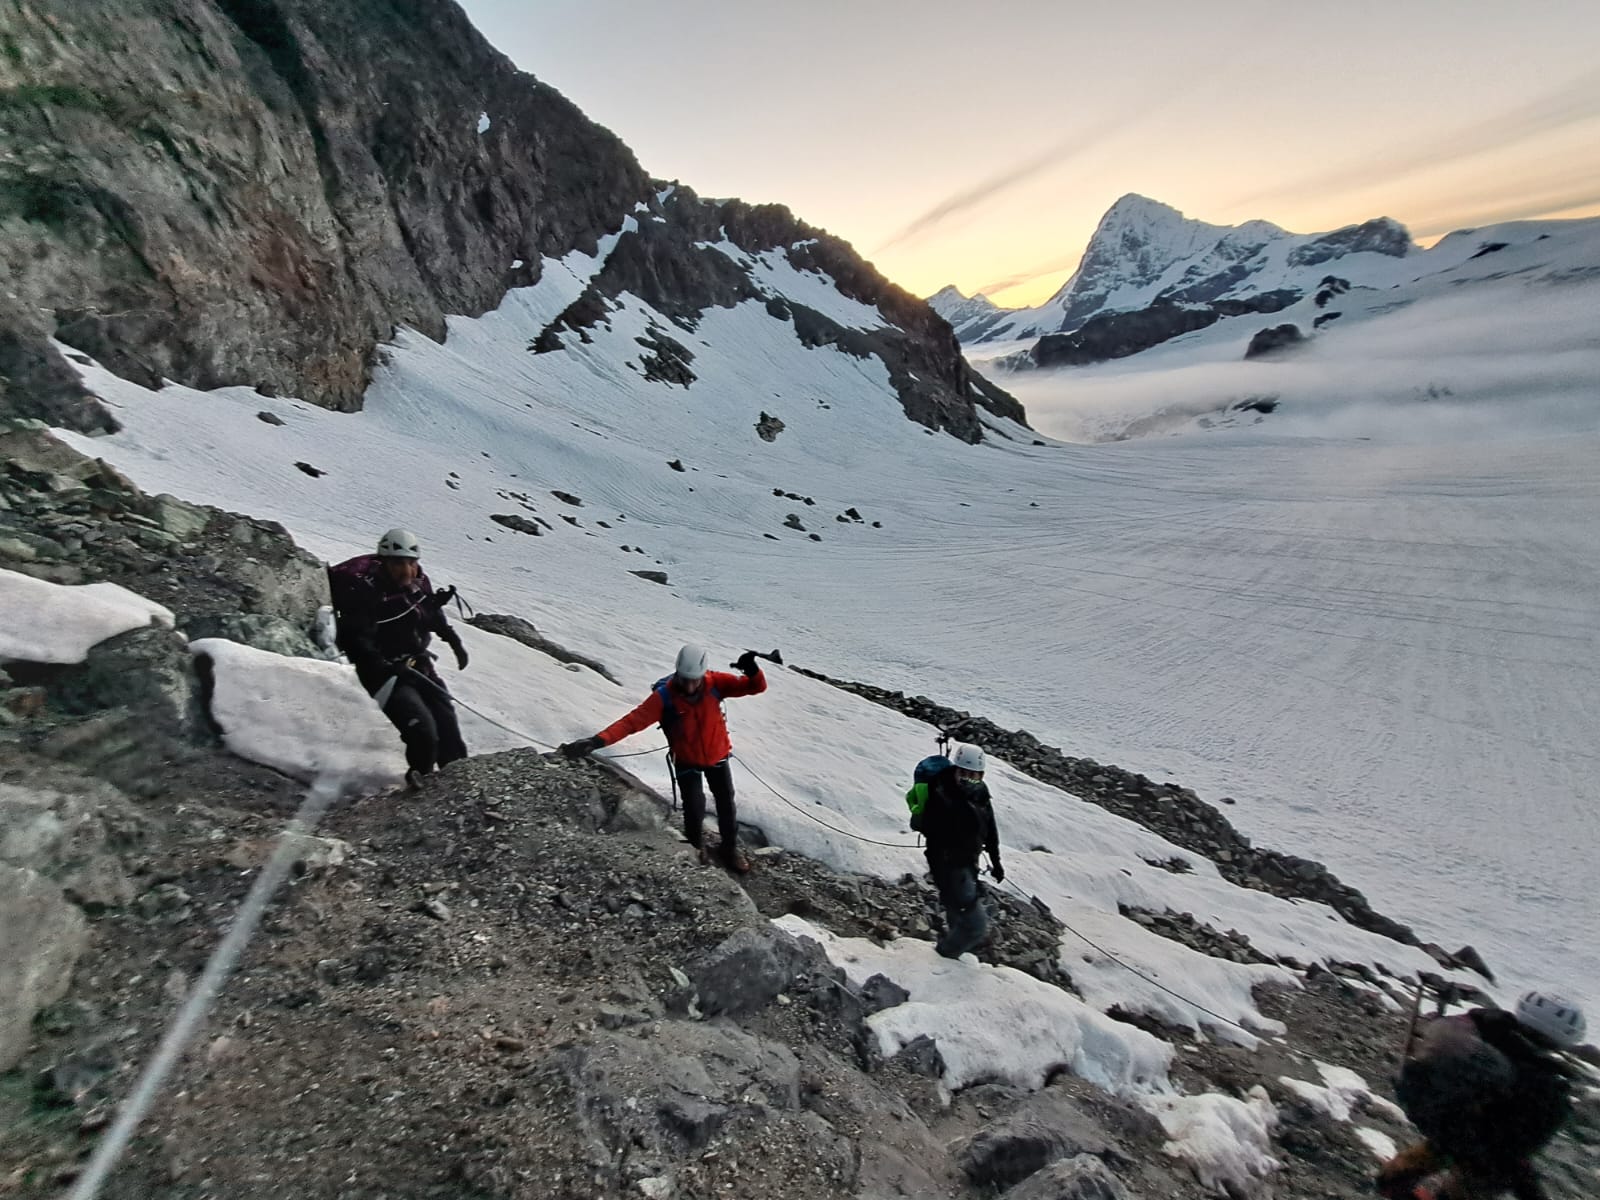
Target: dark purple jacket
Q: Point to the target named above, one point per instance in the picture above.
(380, 622)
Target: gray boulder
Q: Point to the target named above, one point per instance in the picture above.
(273, 634)
(671, 1093)
(1083, 1177)
(1045, 1128)
(749, 970)
(519, 630)
(44, 935)
(145, 670)
(71, 837)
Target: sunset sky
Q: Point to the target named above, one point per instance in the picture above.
(979, 144)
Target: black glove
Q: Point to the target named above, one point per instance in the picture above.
(746, 662)
(443, 596)
(461, 653)
(996, 870)
(581, 747)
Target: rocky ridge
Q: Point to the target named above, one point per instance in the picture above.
(1173, 811)
(260, 192)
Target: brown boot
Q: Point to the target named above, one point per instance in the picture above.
(1398, 1178)
(735, 861)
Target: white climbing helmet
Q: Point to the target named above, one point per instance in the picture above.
(968, 758)
(1556, 1017)
(398, 543)
(691, 663)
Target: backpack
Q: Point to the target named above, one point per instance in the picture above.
(669, 711)
(346, 579)
(921, 776)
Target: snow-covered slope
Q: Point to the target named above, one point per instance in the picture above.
(1143, 251)
(1345, 637)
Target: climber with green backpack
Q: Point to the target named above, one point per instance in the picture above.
(950, 807)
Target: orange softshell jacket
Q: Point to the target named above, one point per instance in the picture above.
(697, 734)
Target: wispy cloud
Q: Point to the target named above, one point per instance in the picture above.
(1014, 176)
(995, 185)
(1574, 102)
(1522, 209)
(1029, 275)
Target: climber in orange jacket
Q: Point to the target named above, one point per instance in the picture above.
(687, 705)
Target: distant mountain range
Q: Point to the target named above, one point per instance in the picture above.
(1145, 253)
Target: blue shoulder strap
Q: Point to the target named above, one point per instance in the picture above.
(669, 711)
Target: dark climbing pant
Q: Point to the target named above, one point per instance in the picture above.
(427, 723)
(966, 922)
(690, 787)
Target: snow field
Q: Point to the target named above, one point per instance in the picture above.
(1343, 636)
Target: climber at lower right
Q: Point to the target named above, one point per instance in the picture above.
(1488, 1090)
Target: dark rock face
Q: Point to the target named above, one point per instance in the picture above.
(668, 360)
(517, 522)
(259, 191)
(1381, 235)
(1274, 340)
(663, 263)
(754, 967)
(1118, 335)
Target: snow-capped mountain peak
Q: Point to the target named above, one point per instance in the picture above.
(967, 315)
(1144, 252)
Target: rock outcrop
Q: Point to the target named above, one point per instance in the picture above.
(259, 192)
(1120, 334)
(1274, 339)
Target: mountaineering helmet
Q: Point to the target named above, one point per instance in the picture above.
(691, 663)
(968, 758)
(1556, 1017)
(398, 543)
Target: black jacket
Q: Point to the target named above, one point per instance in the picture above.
(380, 623)
(1484, 1092)
(958, 822)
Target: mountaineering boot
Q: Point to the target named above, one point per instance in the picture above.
(414, 780)
(735, 861)
(1399, 1177)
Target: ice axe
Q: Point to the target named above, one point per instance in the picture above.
(774, 657)
(1416, 1016)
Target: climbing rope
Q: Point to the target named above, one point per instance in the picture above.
(813, 817)
(319, 798)
(1195, 1004)
(1032, 900)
